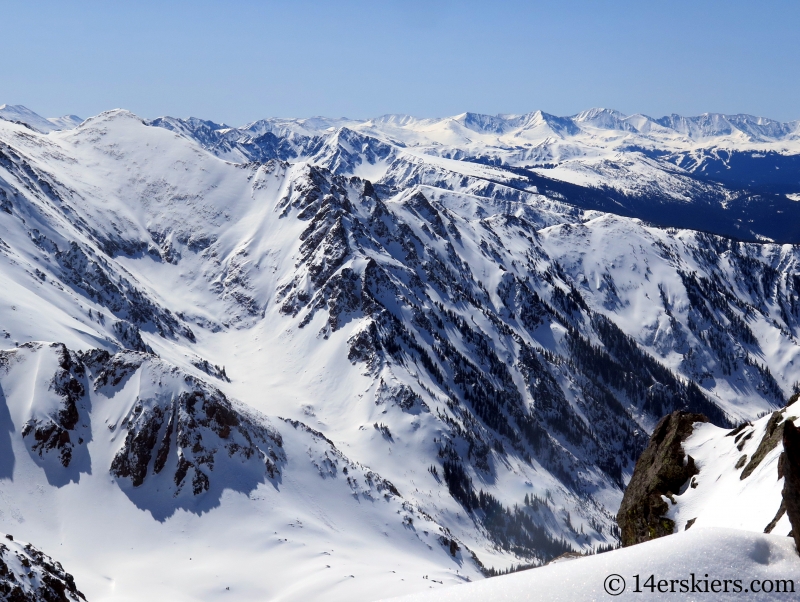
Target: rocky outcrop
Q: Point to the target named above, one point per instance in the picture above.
(58, 432)
(192, 430)
(28, 575)
(185, 429)
(660, 472)
(172, 430)
(791, 475)
(770, 440)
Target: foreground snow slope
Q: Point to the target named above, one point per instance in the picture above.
(497, 359)
(721, 554)
(712, 554)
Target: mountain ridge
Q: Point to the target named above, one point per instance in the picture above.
(495, 355)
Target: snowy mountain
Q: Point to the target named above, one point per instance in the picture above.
(23, 115)
(735, 175)
(346, 356)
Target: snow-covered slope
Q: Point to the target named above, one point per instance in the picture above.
(435, 377)
(170, 490)
(21, 114)
(702, 564)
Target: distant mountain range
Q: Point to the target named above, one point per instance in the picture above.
(735, 175)
(355, 359)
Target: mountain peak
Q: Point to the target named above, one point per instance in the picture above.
(22, 114)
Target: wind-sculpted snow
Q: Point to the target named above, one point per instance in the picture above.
(467, 368)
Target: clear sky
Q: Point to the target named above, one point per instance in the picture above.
(240, 60)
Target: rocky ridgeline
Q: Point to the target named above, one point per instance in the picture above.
(360, 255)
(185, 431)
(29, 575)
(59, 432)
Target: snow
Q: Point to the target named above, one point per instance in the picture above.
(712, 553)
(24, 115)
(634, 154)
(308, 524)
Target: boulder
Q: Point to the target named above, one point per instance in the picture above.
(661, 471)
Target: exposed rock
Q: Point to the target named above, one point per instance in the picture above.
(363, 482)
(661, 471)
(188, 433)
(772, 435)
(111, 371)
(28, 575)
(130, 336)
(211, 369)
(791, 482)
(451, 545)
(778, 516)
(53, 432)
(84, 269)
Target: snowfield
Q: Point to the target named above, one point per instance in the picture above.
(710, 554)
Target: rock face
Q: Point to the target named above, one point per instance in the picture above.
(661, 470)
(181, 426)
(28, 575)
(172, 431)
(791, 474)
(770, 440)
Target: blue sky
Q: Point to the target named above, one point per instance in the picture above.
(237, 61)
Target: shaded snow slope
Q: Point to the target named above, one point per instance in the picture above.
(485, 364)
(739, 557)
